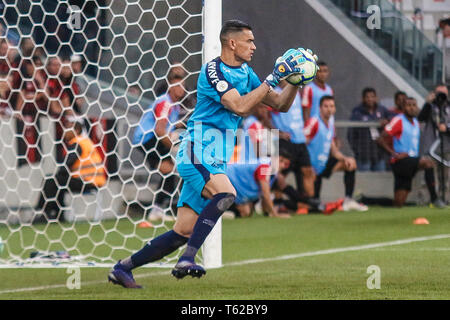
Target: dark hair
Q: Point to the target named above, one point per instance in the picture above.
(399, 93)
(176, 73)
(321, 63)
(441, 84)
(326, 97)
(78, 127)
(161, 88)
(443, 22)
(368, 90)
(232, 26)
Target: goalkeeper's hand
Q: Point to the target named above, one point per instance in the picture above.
(289, 63)
(311, 53)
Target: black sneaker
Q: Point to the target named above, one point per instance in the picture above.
(187, 268)
(118, 275)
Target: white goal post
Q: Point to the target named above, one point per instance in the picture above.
(126, 49)
(212, 247)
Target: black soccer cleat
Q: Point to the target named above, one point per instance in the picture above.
(118, 275)
(186, 268)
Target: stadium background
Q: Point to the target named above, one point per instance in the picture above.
(350, 72)
(417, 269)
(140, 41)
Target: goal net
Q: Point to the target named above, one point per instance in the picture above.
(102, 64)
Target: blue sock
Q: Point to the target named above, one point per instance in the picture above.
(206, 222)
(155, 249)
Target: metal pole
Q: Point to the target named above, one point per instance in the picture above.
(421, 47)
(394, 30)
(444, 54)
(436, 62)
(441, 163)
(413, 71)
(400, 40)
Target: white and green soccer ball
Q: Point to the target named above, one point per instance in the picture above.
(310, 66)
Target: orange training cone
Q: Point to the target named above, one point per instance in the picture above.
(421, 221)
(145, 224)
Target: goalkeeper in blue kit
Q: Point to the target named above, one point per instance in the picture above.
(227, 90)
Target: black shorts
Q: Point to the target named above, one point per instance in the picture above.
(328, 171)
(404, 171)
(155, 152)
(299, 154)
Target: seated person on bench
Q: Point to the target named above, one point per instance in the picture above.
(82, 171)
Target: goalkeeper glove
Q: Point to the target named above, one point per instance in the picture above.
(311, 53)
(289, 63)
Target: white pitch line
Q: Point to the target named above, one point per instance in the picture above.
(57, 286)
(337, 250)
(262, 260)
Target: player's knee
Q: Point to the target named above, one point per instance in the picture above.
(231, 191)
(183, 230)
(217, 186)
(227, 199)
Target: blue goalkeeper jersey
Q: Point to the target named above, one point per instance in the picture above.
(212, 127)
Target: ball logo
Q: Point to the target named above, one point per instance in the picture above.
(221, 86)
(281, 69)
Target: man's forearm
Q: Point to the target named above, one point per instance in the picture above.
(243, 105)
(383, 144)
(266, 199)
(336, 153)
(282, 101)
(263, 116)
(253, 98)
(306, 114)
(267, 205)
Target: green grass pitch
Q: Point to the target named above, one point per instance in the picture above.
(293, 262)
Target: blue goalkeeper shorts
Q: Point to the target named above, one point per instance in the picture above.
(195, 172)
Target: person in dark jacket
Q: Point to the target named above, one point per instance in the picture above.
(435, 119)
(369, 156)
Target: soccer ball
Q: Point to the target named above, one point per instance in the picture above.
(310, 67)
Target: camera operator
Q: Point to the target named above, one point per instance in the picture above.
(435, 117)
